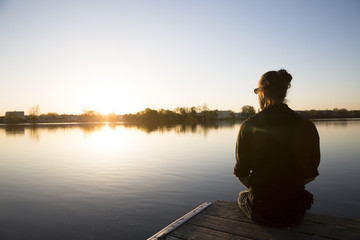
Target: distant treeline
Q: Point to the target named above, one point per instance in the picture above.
(178, 115)
(200, 114)
(335, 113)
(196, 115)
(86, 116)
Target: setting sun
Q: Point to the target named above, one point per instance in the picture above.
(105, 100)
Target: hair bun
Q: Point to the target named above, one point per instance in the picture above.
(285, 75)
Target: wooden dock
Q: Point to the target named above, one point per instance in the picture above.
(224, 220)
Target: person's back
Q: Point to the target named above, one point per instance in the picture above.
(277, 150)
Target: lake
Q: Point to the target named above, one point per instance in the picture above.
(118, 181)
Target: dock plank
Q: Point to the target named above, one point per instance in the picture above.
(224, 220)
(313, 224)
(169, 237)
(345, 222)
(190, 231)
(248, 230)
(228, 210)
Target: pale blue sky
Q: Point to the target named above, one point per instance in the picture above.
(124, 56)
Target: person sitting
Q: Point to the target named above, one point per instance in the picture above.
(277, 153)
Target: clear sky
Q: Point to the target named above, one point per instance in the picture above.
(124, 56)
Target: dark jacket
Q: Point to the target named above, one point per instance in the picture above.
(277, 149)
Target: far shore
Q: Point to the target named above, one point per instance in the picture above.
(151, 122)
(193, 115)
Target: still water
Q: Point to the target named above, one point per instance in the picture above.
(115, 181)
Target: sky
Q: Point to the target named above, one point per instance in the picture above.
(124, 56)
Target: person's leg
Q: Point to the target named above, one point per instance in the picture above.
(244, 206)
(295, 220)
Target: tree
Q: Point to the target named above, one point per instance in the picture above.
(150, 115)
(192, 114)
(90, 116)
(33, 113)
(52, 116)
(204, 107)
(247, 111)
(231, 114)
(111, 117)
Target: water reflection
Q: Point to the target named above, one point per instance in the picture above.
(109, 180)
(90, 128)
(203, 128)
(14, 130)
(34, 133)
(337, 122)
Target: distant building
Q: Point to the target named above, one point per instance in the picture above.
(225, 114)
(19, 114)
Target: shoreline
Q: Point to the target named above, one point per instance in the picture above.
(156, 122)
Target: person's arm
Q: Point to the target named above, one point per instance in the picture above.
(242, 165)
(244, 181)
(314, 162)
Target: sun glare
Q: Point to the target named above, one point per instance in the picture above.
(109, 139)
(105, 100)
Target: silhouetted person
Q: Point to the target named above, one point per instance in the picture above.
(277, 153)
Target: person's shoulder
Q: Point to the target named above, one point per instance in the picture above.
(252, 119)
(307, 124)
(304, 123)
(248, 123)
(305, 120)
